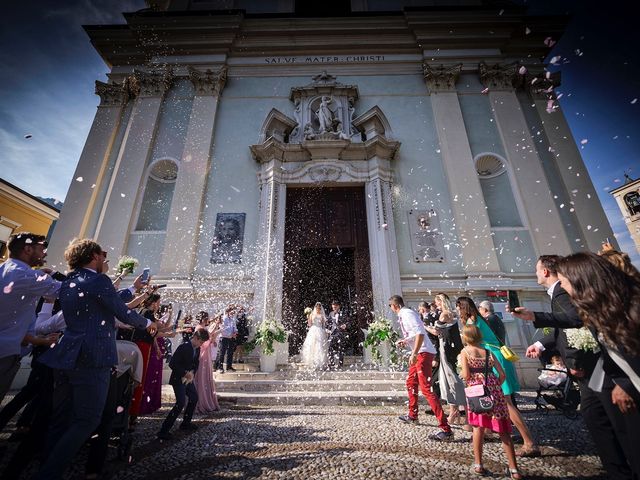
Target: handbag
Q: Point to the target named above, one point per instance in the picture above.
(479, 399)
(509, 354)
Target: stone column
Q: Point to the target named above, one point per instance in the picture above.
(81, 197)
(545, 225)
(469, 209)
(117, 216)
(269, 274)
(183, 227)
(571, 168)
(385, 270)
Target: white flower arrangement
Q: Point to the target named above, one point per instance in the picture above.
(307, 311)
(582, 339)
(268, 331)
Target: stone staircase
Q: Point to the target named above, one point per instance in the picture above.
(291, 384)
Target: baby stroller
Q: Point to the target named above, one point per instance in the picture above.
(558, 389)
(114, 427)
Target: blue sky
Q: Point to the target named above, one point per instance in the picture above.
(49, 67)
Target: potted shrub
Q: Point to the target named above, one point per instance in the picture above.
(268, 332)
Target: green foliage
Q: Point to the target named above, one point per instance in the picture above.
(268, 331)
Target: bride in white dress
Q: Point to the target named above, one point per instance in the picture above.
(315, 350)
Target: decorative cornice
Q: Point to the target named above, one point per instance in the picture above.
(150, 84)
(441, 78)
(499, 76)
(111, 94)
(208, 82)
(346, 150)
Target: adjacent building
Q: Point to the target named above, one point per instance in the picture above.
(628, 198)
(22, 212)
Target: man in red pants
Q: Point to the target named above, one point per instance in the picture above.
(422, 354)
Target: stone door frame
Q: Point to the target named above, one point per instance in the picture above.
(275, 175)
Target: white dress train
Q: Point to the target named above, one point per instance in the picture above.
(315, 350)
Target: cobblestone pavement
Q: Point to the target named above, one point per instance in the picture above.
(338, 442)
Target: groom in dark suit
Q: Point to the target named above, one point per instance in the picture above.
(83, 358)
(337, 331)
(596, 408)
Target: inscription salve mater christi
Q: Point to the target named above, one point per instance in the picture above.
(322, 59)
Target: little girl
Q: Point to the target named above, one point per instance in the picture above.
(472, 363)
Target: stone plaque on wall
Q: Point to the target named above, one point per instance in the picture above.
(228, 238)
(426, 237)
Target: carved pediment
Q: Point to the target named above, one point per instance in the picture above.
(277, 125)
(372, 123)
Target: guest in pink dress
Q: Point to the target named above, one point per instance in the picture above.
(472, 361)
(205, 385)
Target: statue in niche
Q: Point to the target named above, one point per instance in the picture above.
(309, 134)
(325, 115)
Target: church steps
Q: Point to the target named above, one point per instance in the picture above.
(309, 385)
(362, 398)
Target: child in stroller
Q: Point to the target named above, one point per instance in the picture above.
(558, 385)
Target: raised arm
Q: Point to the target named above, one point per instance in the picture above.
(110, 299)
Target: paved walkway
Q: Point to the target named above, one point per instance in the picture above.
(338, 442)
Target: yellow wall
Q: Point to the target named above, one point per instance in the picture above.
(28, 216)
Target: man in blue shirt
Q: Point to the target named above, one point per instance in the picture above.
(20, 289)
(228, 333)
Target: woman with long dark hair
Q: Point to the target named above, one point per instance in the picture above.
(607, 298)
(469, 314)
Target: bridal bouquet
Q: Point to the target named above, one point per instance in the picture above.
(307, 311)
(126, 265)
(268, 331)
(380, 331)
(582, 339)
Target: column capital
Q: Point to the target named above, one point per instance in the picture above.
(498, 76)
(111, 94)
(441, 78)
(150, 84)
(208, 82)
(541, 85)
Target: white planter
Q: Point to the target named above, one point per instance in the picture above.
(268, 362)
(367, 356)
(384, 350)
(282, 352)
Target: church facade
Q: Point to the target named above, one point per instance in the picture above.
(281, 153)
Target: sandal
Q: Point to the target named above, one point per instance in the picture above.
(524, 451)
(513, 473)
(478, 469)
(453, 418)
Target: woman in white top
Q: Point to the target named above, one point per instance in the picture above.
(446, 328)
(315, 350)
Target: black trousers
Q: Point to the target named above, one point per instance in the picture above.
(183, 393)
(227, 346)
(39, 377)
(336, 350)
(615, 435)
